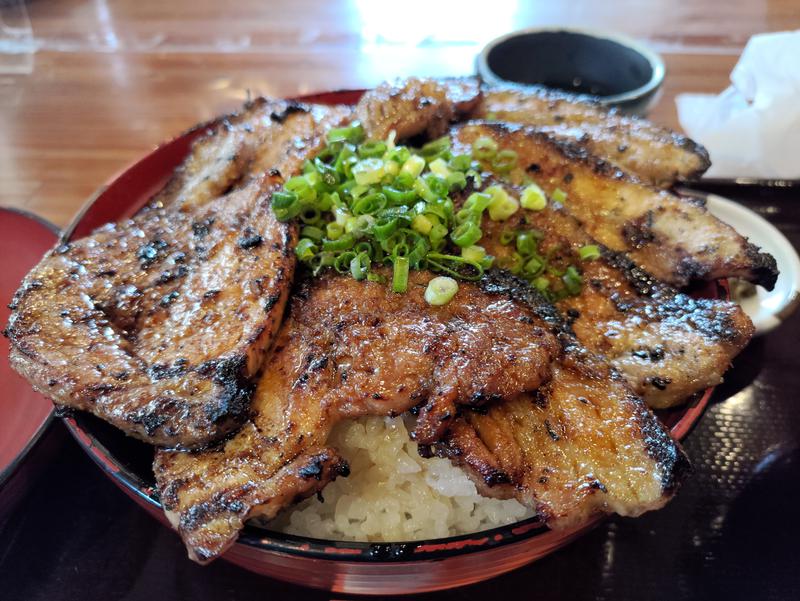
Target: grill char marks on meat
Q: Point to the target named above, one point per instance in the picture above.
(412, 107)
(673, 238)
(667, 344)
(170, 298)
(656, 155)
(581, 445)
(350, 349)
(187, 359)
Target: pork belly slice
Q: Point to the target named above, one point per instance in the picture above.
(583, 444)
(656, 155)
(157, 327)
(416, 106)
(675, 239)
(350, 349)
(158, 323)
(265, 136)
(666, 344)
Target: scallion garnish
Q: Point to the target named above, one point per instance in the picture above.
(533, 198)
(364, 204)
(559, 195)
(440, 290)
(590, 252)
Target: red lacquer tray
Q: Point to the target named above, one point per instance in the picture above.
(24, 414)
(359, 568)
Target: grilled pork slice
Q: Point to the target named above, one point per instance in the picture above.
(581, 445)
(415, 106)
(675, 239)
(266, 135)
(667, 344)
(349, 349)
(656, 155)
(157, 326)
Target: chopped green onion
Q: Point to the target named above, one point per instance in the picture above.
(314, 233)
(422, 224)
(342, 262)
(399, 197)
(533, 266)
(473, 253)
(541, 283)
(507, 237)
(504, 161)
(334, 230)
(354, 134)
(376, 277)
(484, 148)
(370, 203)
(440, 290)
(305, 249)
(343, 242)
(437, 235)
(502, 206)
(400, 275)
(358, 226)
(359, 266)
(384, 228)
(466, 234)
(368, 171)
(456, 179)
(371, 148)
(436, 148)
(526, 244)
(460, 162)
(572, 280)
(439, 167)
(424, 191)
(533, 198)
(559, 195)
(413, 166)
(589, 252)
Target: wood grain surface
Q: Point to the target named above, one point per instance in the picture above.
(87, 86)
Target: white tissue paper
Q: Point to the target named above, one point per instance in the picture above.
(752, 129)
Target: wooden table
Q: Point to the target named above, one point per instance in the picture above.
(91, 84)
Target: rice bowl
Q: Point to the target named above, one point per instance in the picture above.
(393, 494)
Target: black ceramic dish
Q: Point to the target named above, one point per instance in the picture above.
(618, 71)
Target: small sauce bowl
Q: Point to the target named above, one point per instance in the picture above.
(616, 70)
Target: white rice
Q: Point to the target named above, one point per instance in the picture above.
(393, 494)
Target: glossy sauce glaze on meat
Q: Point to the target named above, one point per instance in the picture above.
(350, 349)
(655, 154)
(667, 344)
(266, 136)
(158, 323)
(413, 106)
(674, 238)
(583, 444)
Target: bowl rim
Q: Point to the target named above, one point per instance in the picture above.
(656, 62)
(263, 540)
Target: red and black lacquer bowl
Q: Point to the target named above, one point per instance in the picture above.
(359, 568)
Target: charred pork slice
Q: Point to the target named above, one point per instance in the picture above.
(656, 155)
(157, 326)
(674, 238)
(581, 445)
(267, 135)
(350, 349)
(667, 344)
(415, 106)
